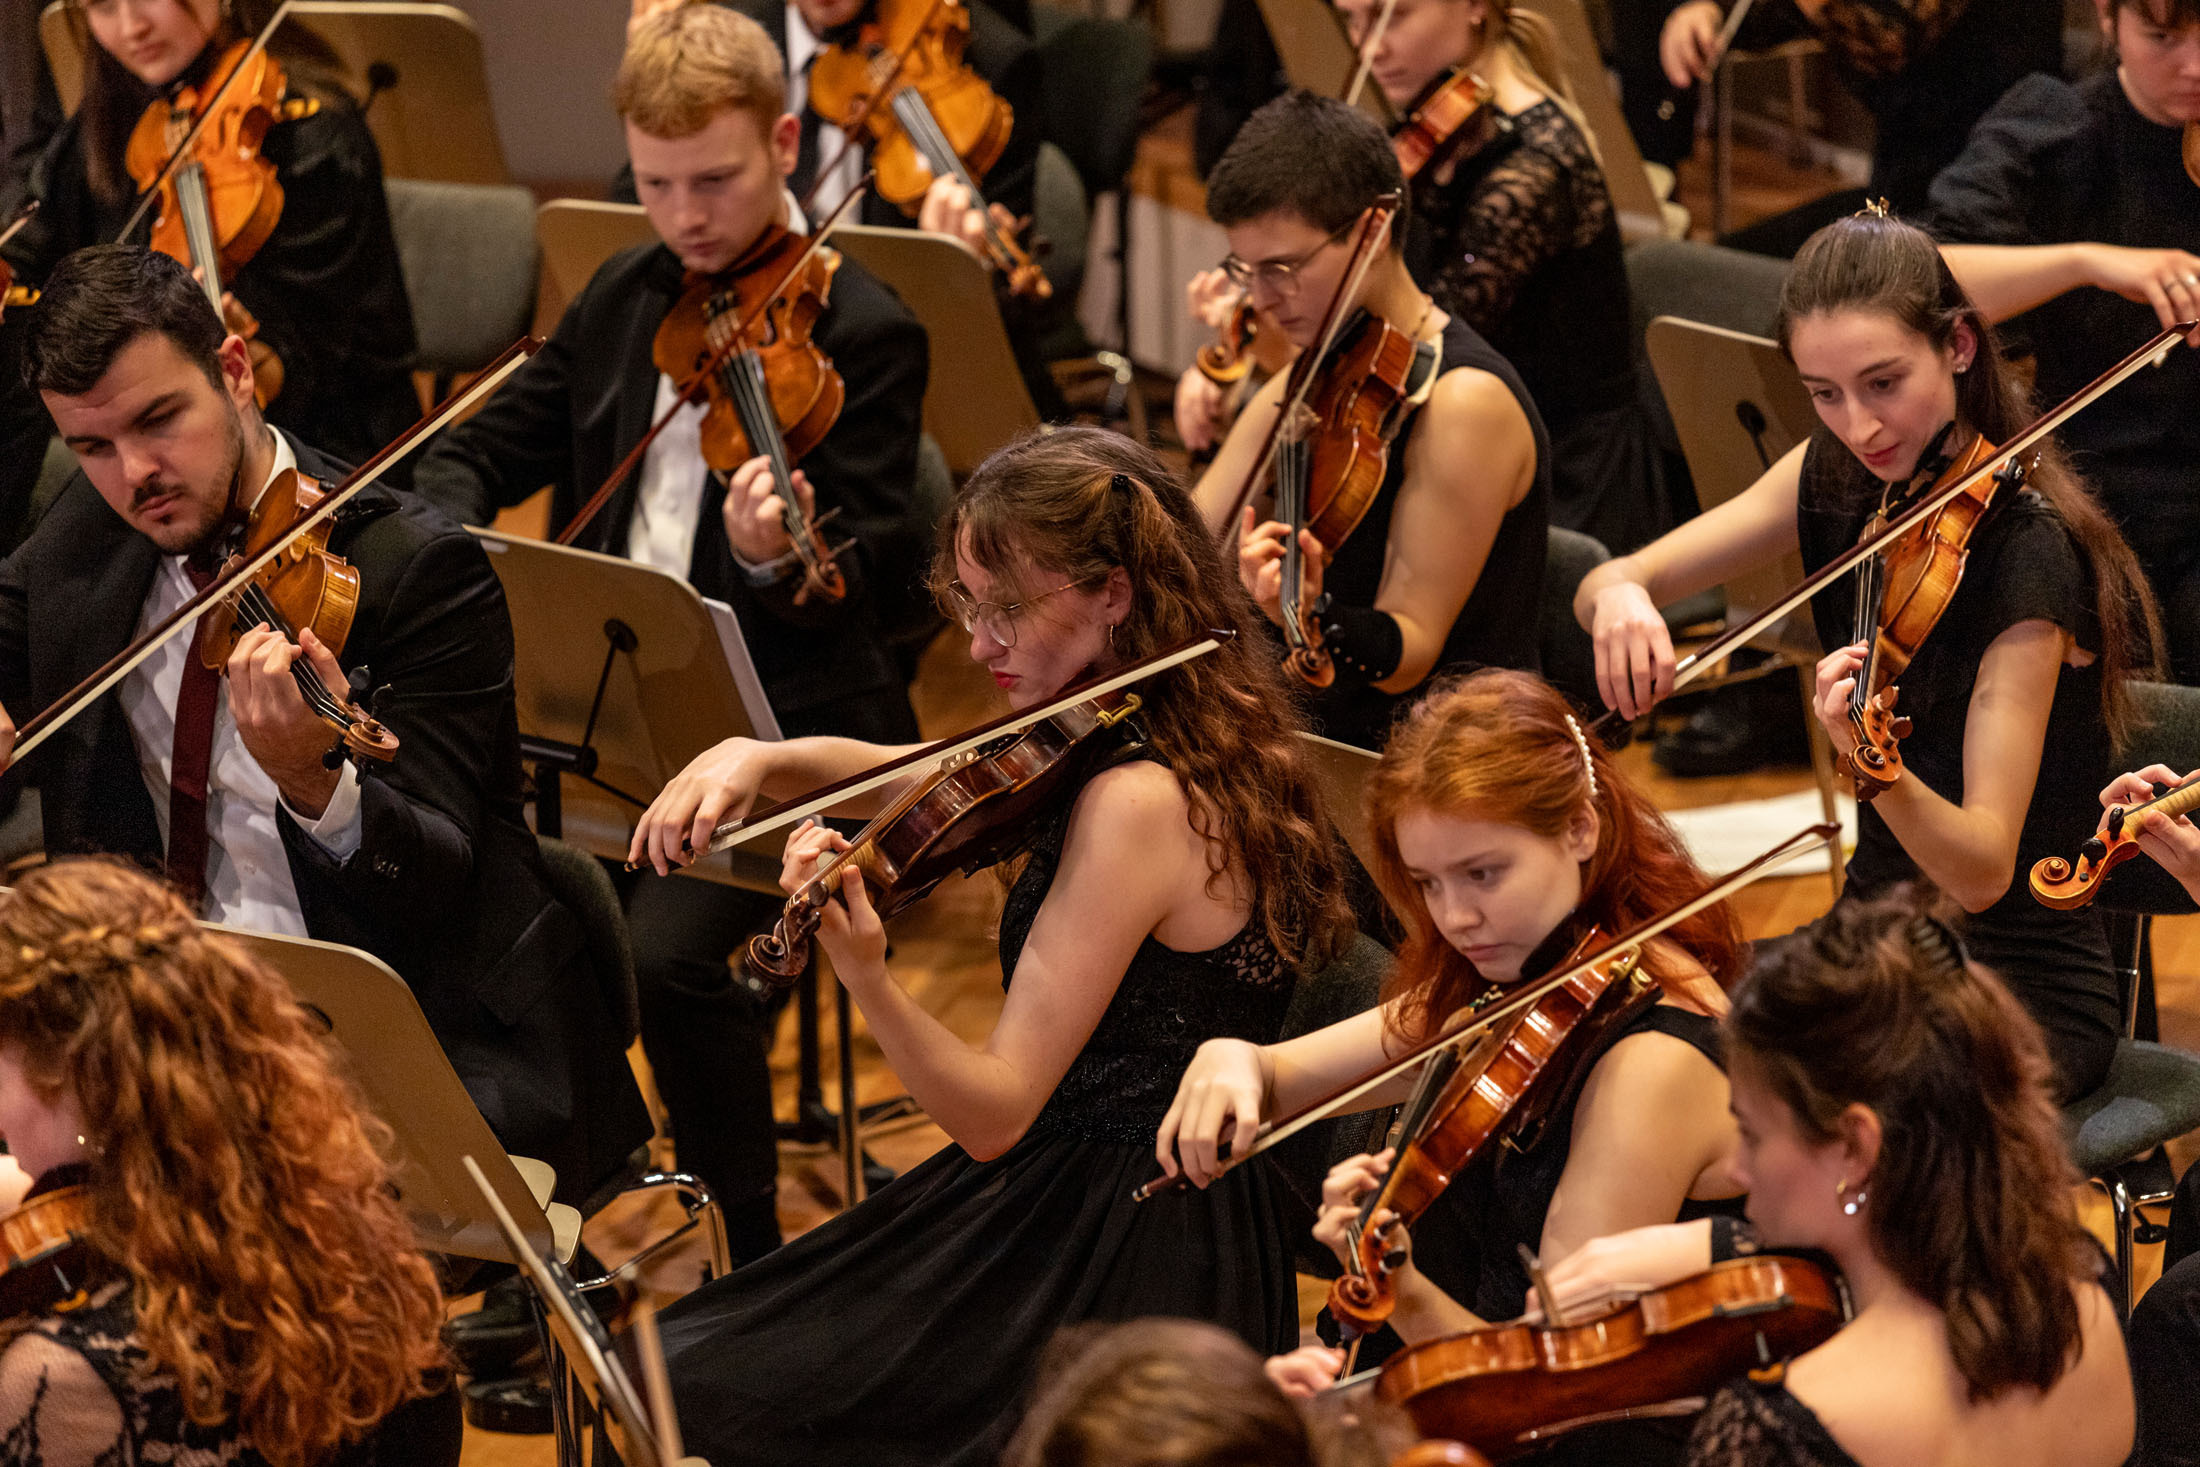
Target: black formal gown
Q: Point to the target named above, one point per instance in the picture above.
(903, 1332)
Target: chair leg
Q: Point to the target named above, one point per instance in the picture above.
(1821, 768)
(2120, 1204)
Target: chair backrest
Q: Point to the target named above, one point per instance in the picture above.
(1642, 214)
(420, 63)
(1703, 282)
(1062, 217)
(1095, 73)
(1737, 406)
(470, 264)
(584, 888)
(1569, 655)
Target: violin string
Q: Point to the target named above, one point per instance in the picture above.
(198, 230)
(931, 139)
(255, 602)
(752, 404)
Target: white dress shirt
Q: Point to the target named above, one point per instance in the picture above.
(802, 48)
(248, 881)
(668, 503)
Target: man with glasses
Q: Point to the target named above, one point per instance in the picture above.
(1446, 567)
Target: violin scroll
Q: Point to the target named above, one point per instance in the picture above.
(2066, 886)
(1875, 764)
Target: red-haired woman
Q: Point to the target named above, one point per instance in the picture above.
(253, 1293)
(1501, 831)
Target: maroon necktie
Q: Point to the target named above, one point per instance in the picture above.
(192, 754)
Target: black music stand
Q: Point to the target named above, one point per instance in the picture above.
(622, 674)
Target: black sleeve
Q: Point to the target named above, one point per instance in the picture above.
(326, 286)
(866, 466)
(1994, 192)
(1521, 217)
(30, 110)
(520, 440)
(67, 217)
(2026, 567)
(15, 641)
(442, 683)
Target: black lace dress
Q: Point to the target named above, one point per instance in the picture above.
(1521, 242)
(903, 1333)
(1757, 1423)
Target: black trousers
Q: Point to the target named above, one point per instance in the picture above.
(708, 1035)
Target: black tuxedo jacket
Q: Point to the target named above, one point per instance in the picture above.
(998, 52)
(446, 885)
(580, 405)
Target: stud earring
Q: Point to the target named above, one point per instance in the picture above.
(1850, 1206)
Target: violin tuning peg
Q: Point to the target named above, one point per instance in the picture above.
(1394, 1260)
(2093, 850)
(1901, 728)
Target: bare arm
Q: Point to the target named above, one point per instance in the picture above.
(1970, 850)
(1618, 601)
(1216, 491)
(730, 778)
(2008, 280)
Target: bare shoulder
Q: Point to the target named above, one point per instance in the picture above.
(1477, 397)
(1887, 1394)
(1136, 809)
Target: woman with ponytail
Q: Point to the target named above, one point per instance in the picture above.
(1502, 833)
(1896, 1113)
(1168, 900)
(253, 1294)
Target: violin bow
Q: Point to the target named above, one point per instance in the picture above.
(1689, 668)
(1725, 39)
(1513, 1005)
(119, 666)
(14, 226)
(1367, 53)
(701, 379)
(1374, 225)
(870, 103)
(747, 827)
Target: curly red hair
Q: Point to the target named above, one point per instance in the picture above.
(234, 1173)
(1503, 746)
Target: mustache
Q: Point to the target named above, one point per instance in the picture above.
(151, 490)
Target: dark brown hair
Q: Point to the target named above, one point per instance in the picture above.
(1495, 745)
(114, 100)
(1312, 156)
(1969, 1201)
(234, 1173)
(1158, 1393)
(1079, 502)
(101, 299)
(2168, 14)
(1872, 262)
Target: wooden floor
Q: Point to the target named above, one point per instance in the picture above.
(944, 948)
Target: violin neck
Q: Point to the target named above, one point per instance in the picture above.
(198, 230)
(930, 139)
(2179, 800)
(1294, 467)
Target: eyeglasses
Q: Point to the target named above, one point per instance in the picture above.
(1280, 276)
(991, 617)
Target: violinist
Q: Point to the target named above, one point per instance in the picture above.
(1446, 566)
(244, 1286)
(701, 97)
(2012, 697)
(2072, 212)
(1168, 899)
(1501, 829)
(224, 780)
(1896, 1112)
(323, 294)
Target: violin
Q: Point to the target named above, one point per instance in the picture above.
(745, 333)
(903, 83)
(197, 151)
(973, 811)
(1482, 1021)
(235, 578)
(1330, 447)
(2066, 885)
(12, 294)
(1458, 1111)
(1902, 593)
(1509, 1388)
(305, 585)
(45, 1262)
(1941, 493)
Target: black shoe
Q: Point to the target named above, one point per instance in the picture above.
(494, 1341)
(519, 1406)
(1738, 729)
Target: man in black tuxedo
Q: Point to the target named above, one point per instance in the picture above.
(701, 94)
(423, 861)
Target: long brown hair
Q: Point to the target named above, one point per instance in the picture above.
(1969, 1202)
(114, 100)
(1873, 262)
(1502, 746)
(1079, 502)
(234, 1173)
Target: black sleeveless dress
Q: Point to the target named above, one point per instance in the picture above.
(1498, 627)
(903, 1333)
(2024, 566)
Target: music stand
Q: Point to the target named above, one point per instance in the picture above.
(385, 1044)
(418, 65)
(979, 401)
(1317, 55)
(586, 1356)
(1737, 406)
(577, 236)
(1341, 770)
(622, 674)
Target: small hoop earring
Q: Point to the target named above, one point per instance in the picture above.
(1111, 636)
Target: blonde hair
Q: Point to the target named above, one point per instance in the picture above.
(1540, 53)
(685, 65)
